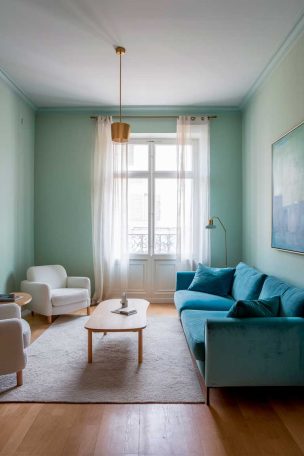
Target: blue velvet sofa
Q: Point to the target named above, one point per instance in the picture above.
(248, 351)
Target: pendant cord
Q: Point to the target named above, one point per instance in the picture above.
(120, 87)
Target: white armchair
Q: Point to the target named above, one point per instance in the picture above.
(15, 337)
(54, 293)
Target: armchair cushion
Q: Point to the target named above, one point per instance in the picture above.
(54, 275)
(65, 296)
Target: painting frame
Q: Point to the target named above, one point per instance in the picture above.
(287, 192)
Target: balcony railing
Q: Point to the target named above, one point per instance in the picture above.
(164, 241)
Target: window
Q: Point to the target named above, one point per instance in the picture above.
(152, 196)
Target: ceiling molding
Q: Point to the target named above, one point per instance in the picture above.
(144, 110)
(277, 58)
(16, 89)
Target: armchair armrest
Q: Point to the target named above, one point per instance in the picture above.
(79, 282)
(12, 355)
(183, 279)
(254, 351)
(41, 296)
(10, 310)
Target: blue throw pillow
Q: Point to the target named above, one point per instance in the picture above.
(256, 308)
(216, 281)
(247, 283)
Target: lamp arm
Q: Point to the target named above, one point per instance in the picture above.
(223, 226)
(216, 217)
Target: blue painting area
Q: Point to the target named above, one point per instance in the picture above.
(288, 225)
(288, 192)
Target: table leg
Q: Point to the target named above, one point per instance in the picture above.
(90, 354)
(140, 346)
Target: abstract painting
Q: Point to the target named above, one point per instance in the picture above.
(288, 191)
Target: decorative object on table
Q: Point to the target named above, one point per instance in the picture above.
(128, 312)
(124, 301)
(211, 226)
(288, 191)
(120, 130)
(8, 297)
(123, 310)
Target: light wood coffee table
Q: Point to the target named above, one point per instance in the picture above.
(103, 320)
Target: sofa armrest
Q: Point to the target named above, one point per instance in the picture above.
(10, 310)
(12, 355)
(183, 279)
(79, 282)
(41, 296)
(254, 351)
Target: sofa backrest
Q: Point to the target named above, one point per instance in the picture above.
(54, 275)
(292, 298)
(247, 282)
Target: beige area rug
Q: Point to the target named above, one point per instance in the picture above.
(57, 368)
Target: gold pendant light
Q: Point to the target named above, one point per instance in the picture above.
(120, 130)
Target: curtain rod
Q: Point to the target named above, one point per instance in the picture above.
(158, 117)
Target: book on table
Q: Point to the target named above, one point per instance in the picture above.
(7, 297)
(125, 311)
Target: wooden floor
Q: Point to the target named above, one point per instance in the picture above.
(238, 422)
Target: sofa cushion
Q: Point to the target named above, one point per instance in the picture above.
(65, 296)
(216, 281)
(292, 302)
(247, 282)
(292, 298)
(26, 333)
(194, 328)
(186, 299)
(273, 287)
(255, 308)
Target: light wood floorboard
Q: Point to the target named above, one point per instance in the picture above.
(240, 422)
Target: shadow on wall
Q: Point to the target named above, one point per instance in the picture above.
(10, 283)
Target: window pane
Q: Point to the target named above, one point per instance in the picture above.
(165, 216)
(166, 157)
(138, 157)
(138, 215)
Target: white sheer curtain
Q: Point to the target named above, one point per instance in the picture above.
(193, 184)
(109, 213)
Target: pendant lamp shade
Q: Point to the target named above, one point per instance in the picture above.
(120, 131)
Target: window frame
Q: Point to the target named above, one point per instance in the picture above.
(151, 174)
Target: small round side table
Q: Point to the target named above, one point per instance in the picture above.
(22, 298)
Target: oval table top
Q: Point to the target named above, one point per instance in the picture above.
(104, 320)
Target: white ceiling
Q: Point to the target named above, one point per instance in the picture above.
(179, 52)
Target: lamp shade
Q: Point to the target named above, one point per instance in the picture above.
(210, 225)
(120, 132)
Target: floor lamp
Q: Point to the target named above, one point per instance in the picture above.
(211, 226)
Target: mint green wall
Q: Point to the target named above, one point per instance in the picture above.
(64, 147)
(17, 126)
(274, 109)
